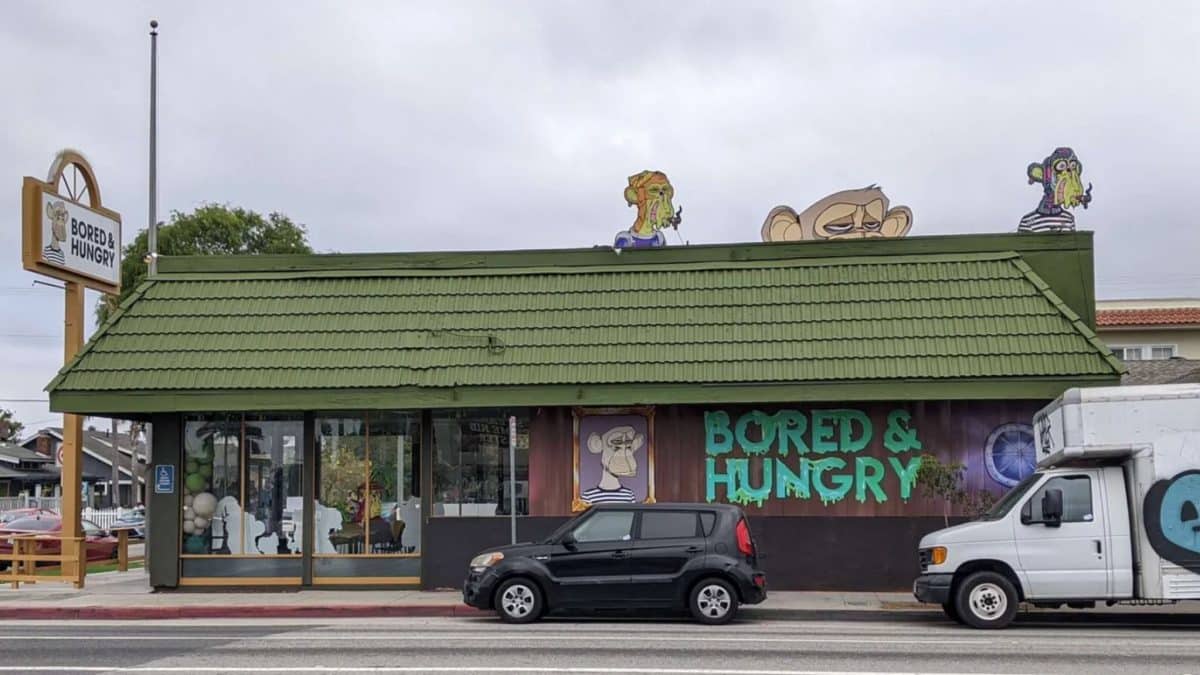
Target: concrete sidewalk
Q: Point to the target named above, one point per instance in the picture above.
(126, 595)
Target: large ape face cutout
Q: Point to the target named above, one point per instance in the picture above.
(850, 214)
(1172, 514)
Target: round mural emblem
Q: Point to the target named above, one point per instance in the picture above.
(1011, 453)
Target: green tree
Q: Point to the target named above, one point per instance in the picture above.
(212, 229)
(10, 428)
(945, 482)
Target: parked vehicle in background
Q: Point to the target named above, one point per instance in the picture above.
(15, 514)
(100, 545)
(1112, 513)
(134, 521)
(699, 557)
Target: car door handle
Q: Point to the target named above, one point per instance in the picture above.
(621, 554)
(694, 549)
(1099, 548)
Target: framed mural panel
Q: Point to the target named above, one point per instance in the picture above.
(613, 456)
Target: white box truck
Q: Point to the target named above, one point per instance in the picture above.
(1111, 514)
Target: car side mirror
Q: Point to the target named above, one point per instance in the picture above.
(1027, 513)
(568, 540)
(1052, 507)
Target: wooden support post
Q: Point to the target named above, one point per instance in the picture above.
(72, 462)
(122, 550)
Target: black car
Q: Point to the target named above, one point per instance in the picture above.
(699, 557)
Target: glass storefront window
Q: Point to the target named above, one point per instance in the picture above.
(274, 484)
(395, 507)
(471, 462)
(241, 481)
(368, 498)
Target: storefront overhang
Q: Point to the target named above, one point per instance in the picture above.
(149, 402)
(922, 318)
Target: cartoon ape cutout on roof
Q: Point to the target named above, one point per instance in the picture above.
(1061, 176)
(652, 193)
(849, 214)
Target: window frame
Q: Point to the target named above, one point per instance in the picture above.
(633, 526)
(243, 472)
(524, 415)
(369, 419)
(697, 531)
(1145, 351)
(1027, 505)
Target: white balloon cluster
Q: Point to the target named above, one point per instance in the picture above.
(198, 511)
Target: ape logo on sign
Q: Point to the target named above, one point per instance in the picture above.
(1172, 514)
(1061, 176)
(799, 456)
(849, 214)
(56, 215)
(614, 456)
(652, 193)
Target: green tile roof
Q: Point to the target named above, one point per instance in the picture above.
(637, 331)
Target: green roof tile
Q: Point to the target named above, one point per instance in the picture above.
(980, 315)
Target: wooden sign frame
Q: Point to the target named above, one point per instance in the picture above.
(33, 192)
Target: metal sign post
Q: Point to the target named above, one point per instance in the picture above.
(512, 477)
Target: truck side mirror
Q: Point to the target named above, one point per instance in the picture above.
(1052, 507)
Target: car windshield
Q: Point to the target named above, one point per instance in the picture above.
(562, 529)
(33, 524)
(1014, 495)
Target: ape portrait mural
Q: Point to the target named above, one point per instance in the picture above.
(1061, 177)
(614, 456)
(850, 214)
(652, 193)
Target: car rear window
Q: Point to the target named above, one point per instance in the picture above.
(668, 524)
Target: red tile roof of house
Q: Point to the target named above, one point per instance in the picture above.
(1166, 316)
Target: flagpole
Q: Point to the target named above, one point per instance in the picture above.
(152, 233)
(151, 260)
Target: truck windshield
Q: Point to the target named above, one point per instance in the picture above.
(1014, 495)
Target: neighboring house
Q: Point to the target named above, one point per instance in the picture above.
(99, 448)
(24, 470)
(1150, 330)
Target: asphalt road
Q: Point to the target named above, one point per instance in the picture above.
(591, 646)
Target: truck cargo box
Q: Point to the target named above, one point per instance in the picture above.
(1153, 433)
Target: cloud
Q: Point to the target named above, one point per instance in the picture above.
(417, 126)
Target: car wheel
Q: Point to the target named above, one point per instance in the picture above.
(986, 600)
(519, 601)
(952, 612)
(713, 601)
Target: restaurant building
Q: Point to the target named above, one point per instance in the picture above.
(346, 420)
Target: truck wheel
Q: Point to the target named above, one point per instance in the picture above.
(986, 600)
(713, 601)
(952, 612)
(518, 601)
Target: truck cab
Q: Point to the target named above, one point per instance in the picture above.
(1104, 518)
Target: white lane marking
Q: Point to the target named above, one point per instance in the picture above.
(528, 637)
(436, 669)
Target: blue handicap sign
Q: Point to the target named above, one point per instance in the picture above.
(164, 479)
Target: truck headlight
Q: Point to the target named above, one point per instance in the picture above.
(937, 555)
(486, 559)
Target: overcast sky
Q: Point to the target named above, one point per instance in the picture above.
(398, 126)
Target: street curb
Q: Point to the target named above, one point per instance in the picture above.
(239, 611)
